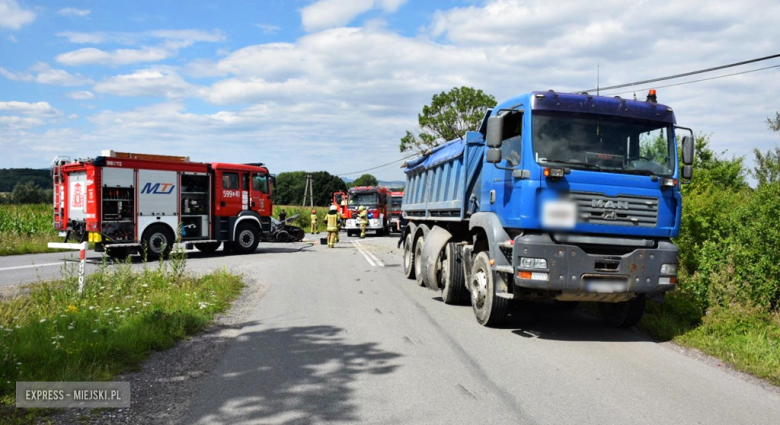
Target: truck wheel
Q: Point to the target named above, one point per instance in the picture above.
(157, 241)
(246, 239)
(623, 314)
(489, 309)
(208, 247)
(408, 257)
(452, 281)
(418, 271)
(380, 232)
(350, 233)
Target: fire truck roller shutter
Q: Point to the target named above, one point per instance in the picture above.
(118, 177)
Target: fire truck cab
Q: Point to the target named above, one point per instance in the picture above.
(129, 203)
(375, 199)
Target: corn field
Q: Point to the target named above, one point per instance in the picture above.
(26, 220)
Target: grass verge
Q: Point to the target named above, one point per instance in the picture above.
(26, 229)
(746, 338)
(55, 334)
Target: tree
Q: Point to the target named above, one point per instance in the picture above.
(365, 180)
(774, 124)
(290, 187)
(29, 193)
(448, 117)
(767, 168)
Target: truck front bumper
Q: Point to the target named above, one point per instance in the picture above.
(373, 224)
(575, 272)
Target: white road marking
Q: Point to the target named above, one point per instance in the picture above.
(370, 257)
(31, 266)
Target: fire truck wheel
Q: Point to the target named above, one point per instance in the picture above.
(489, 309)
(246, 239)
(157, 242)
(208, 247)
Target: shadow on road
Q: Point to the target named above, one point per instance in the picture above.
(544, 320)
(298, 375)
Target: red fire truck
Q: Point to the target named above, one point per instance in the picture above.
(395, 211)
(341, 201)
(129, 203)
(375, 199)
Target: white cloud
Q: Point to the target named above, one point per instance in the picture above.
(81, 95)
(324, 14)
(46, 75)
(73, 12)
(93, 56)
(37, 109)
(150, 82)
(268, 28)
(12, 16)
(12, 39)
(170, 42)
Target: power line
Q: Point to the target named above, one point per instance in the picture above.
(698, 81)
(379, 166)
(686, 74)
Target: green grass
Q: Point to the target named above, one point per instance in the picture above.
(26, 229)
(746, 338)
(55, 334)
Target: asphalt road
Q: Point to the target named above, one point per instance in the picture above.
(341, 336)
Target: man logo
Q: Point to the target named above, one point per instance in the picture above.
(158, 188)
(610, 215)
(600, 203)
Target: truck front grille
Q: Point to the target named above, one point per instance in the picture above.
(596, 208)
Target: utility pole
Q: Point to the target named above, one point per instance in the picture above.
(308, 189)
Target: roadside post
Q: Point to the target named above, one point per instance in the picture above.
(82, 247)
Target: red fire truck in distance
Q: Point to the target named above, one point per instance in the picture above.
(341, 201)
(129, 203)
(375, 199)
(395, 211)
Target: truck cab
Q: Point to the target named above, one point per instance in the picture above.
(374, 199)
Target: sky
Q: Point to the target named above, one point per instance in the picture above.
(334, 84)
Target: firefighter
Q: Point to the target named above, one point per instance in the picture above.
(363, 217)
(332, 219)
(313, 222)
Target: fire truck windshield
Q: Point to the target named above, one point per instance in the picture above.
(395, 204)
(603, 143)
(364, 199)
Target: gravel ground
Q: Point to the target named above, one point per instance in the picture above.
(168, 380)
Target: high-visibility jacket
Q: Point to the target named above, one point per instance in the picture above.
(333, 221)
(363, 217)
(314, 218)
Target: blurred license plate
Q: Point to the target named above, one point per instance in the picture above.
(605, 285)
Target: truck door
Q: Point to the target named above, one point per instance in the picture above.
(258, 195)
(229, 193)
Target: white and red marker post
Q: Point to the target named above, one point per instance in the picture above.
(82, 247)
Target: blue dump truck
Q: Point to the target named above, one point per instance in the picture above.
(561, 196)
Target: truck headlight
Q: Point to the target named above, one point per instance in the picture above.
(533, 263)
(669, 269)
(374, 222)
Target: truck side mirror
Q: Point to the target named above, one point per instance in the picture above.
(493, 155)
(687, 151)
(687, 172)
(495, 131)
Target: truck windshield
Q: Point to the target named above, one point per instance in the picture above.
(365, 199)
(395, 204)
(603, 143)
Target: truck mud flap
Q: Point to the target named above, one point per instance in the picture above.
(434, 243)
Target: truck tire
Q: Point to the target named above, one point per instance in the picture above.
(208, 247)
(350, 233)
(623, 314)
(489, 309)
(418, 271)
(380, 232)
(408, 257)
(157, 242)
(246, 238)
(452, 280)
